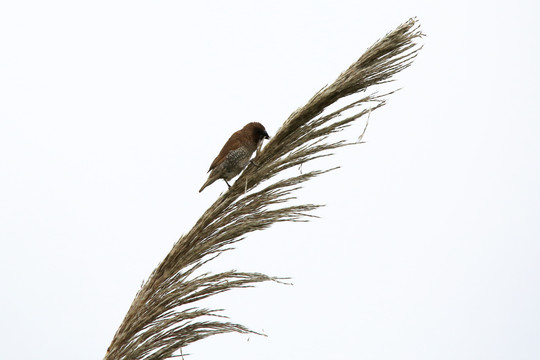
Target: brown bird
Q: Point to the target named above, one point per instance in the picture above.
(236, 153)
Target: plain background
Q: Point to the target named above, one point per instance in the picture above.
(112, 111)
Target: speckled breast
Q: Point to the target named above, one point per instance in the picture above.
(235, 162)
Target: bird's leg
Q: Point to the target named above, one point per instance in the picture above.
(254, 164)
(227, 183)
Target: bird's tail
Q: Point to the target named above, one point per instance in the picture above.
(210, 180)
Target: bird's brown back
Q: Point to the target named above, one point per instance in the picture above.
(236, 140)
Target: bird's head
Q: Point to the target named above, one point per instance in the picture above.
(256, 131)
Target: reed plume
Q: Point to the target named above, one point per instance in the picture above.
(163, 318)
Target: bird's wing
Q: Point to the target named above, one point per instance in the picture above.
(234, 142)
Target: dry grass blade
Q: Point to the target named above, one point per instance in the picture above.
(158, 323)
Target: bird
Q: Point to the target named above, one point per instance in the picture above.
(236, 153)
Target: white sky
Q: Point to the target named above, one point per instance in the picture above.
(112, 111)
